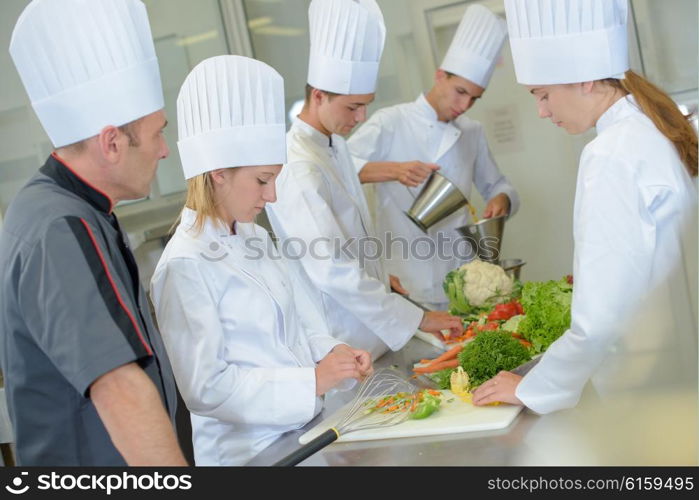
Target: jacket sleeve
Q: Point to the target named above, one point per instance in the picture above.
(76, 306)
(186, 310)
(305, 195)
(487, 176)
(312, 318)
(371, 141)
(614, 245)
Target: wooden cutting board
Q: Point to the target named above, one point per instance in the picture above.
(453, 417)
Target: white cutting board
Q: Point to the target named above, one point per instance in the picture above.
(454, 417)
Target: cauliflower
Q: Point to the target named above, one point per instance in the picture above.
(477, 285)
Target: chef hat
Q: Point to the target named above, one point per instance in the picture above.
(230, 113)
(476, 45)
(86, 64)
(568, 41)
(347, 40)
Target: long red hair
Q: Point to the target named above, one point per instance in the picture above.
(664, 114)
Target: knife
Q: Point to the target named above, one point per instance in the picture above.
(524, 368)
(414, 302)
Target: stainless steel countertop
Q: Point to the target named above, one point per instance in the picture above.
(649, 428)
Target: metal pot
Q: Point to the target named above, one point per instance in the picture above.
(512, 267)
(485, 238)
(438, 200)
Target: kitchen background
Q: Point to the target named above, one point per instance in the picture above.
(540, 160)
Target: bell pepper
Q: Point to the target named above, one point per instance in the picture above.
(427, 406)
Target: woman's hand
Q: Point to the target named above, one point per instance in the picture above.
(338, 365)
(501, 388)
(362, 357)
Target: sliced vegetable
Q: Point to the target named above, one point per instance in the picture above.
(428, 403)
(502, 312)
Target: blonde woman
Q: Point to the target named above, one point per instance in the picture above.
(247, 346)
(634, 183)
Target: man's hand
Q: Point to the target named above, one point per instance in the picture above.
(435, 321)
(498, 205)
(414, 173)
(396, 285)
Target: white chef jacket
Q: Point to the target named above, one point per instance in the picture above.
(633, 193)
(321, 203)
(242, 336)
(412, 132)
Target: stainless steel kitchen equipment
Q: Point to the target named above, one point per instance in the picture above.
(485, 238)
(438, 200)
(512, 267)
(384, 382)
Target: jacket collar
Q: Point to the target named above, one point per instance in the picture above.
(316, 136)
(62, 174)
(425, 108)
(623, 108)
(213, 229)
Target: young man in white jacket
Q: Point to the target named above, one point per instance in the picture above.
(400, 146)
(321, 216)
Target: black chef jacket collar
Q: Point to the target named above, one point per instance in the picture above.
(57, 169)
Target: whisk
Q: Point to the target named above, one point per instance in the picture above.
(362, 413)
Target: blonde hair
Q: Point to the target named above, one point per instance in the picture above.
(664, 114)
(202, 199)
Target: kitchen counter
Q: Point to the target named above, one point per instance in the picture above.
(656, 427)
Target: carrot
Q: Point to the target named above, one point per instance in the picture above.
(450, 354)
(525, 343)
(435, 367)
(470, 333)
(517, 336)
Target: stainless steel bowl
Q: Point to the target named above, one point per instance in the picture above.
(512, 267)
(485, 238)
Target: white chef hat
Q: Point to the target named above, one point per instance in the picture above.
(347, 40)
(230, 113)
(86, 64)
(476, 45)
(568, 41)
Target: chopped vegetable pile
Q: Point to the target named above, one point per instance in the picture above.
(420, 405)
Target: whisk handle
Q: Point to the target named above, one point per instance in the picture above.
(309, 449)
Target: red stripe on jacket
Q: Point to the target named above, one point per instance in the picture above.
(116, 291)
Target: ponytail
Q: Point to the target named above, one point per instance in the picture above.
(664, 114)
